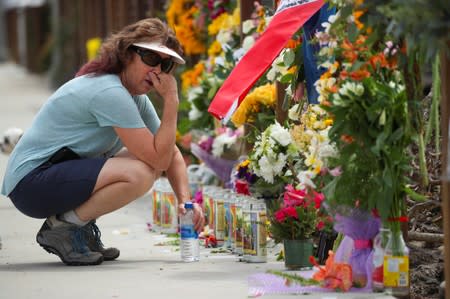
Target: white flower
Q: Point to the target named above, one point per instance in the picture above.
(247, 26)
(293, 113)
(238, 54)
(221, 142)
(326, 151)
(265, 169)
(350, 88)
(194, 113)
(248, 42)
(224, 37)
(218, 60)
(338, 101)
(278, 63)
(280, 134)
(193, 93)
(305, 178)
(271, 74)
(326, 27)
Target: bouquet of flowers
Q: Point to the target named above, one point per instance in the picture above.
(273, 160)
(219, 152)
(364, 92)
(298, 216)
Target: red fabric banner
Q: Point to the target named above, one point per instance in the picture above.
(289, 17)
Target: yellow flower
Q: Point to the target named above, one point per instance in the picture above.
(222, 22)
(92, 47)
(261, 96)
(180, 17)
(328, 122)
(236, 19)
(191, 78)
(215, 49)
(244, 163)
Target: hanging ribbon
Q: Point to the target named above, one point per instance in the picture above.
(288, 19)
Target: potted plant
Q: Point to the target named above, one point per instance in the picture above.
(293, 221)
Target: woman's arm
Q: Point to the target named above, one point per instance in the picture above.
(156, 150)
(178, 178)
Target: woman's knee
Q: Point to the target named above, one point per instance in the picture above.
(138, 175)
(142, 176)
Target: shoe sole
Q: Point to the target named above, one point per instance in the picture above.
(53, 250)
(110, 258)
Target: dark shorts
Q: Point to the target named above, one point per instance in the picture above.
(53, 189)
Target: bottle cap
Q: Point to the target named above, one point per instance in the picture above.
(188, 205)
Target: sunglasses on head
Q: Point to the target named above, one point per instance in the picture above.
(152, 59)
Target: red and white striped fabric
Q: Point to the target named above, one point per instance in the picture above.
(289, 17)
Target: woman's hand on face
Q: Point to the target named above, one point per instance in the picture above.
(165, 84)
(199, 218)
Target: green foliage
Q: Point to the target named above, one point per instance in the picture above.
(424, 25)
(375, 163)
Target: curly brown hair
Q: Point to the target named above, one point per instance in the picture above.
(115, 51)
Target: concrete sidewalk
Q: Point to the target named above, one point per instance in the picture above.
(143, 269)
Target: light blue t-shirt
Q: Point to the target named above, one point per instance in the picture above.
(81, 115)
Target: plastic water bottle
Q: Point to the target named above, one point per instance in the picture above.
(189, 245)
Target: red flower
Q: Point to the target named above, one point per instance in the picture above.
(318, 199)
(242, 187)
(320, 225)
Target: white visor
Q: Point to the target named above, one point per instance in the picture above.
(162, 49)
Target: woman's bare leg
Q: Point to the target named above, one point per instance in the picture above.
(121, 180)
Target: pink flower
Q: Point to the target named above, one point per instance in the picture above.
(291, 212)
(280, 216)
(293, 197)
(336, 171)
(198, 197)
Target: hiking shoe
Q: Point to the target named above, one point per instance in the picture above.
(66, 240)
(92, 235)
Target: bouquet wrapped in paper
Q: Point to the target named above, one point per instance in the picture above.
(359, 228)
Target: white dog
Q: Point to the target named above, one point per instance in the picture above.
(10, 138)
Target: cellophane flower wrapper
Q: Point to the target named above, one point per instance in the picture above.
(356, 225)
(221, 167)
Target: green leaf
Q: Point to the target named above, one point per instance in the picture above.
(212, 91)
(184, 125)
(287, 78)
(414, 195)
(352, 32)
(289, 58)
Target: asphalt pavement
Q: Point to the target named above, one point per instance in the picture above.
(148, 267)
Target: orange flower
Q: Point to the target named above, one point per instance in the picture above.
(356, 15)
(325, 103)
(360, 75)
(325, 75)
(357, 75)
(293, 43)
(292, 69)
(333, 89)
(347, 138)
(378, 60)
(334, 275)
